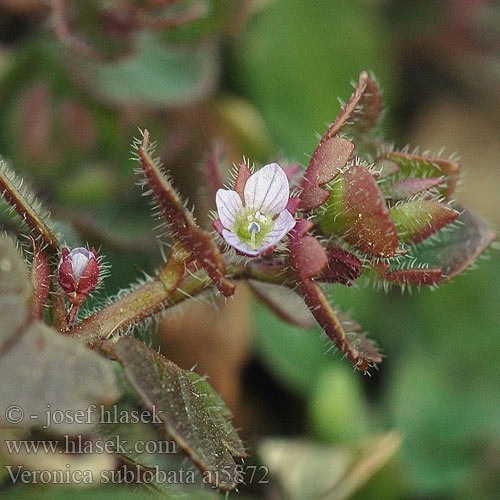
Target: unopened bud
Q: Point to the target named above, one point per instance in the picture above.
(78, 273)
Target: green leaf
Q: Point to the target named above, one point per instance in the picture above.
(219, 413)
(184, 404)
(156, 74)
(417, 220)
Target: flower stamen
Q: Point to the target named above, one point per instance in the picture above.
(253, 229)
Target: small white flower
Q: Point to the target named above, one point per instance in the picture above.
(260, 221)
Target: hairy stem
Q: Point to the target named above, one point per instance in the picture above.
(160, 294)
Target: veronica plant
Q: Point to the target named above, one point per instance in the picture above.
(360, 207)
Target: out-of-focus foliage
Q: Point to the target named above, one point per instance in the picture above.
(295, 58)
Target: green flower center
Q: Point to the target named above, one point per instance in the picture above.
(252, 227)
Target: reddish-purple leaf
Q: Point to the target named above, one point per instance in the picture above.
(362, 111)
(308, 258)
(404, 188)
(416, 277)
(411, 276)
(412, 165)
(208, 256)
(417, 220)
(327, 162)
(359, 350)
(343, 267)
(190, 414)
(307, 255)
(198, 241)
(371, 230)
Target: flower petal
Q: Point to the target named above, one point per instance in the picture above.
(233, 240)
(267, 190)
(281, 226)
(80, 257)
(228, 205)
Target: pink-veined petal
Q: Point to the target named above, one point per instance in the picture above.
(228, 205)
(233, 240)
(267, 190)
(281, 226)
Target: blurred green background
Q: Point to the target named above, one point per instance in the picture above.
(262, 78)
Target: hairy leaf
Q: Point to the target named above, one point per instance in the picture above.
(198, 241)
(327, 162)
(413, 165)
(343, 267)
(307, 256)
(458, 246)
(407, 276)
(404, 188)
(359, 350)
(362, 111)
(25, 204)
(357, 212)
(192, 415)
(417, 220)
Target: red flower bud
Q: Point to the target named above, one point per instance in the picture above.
(78, 273)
